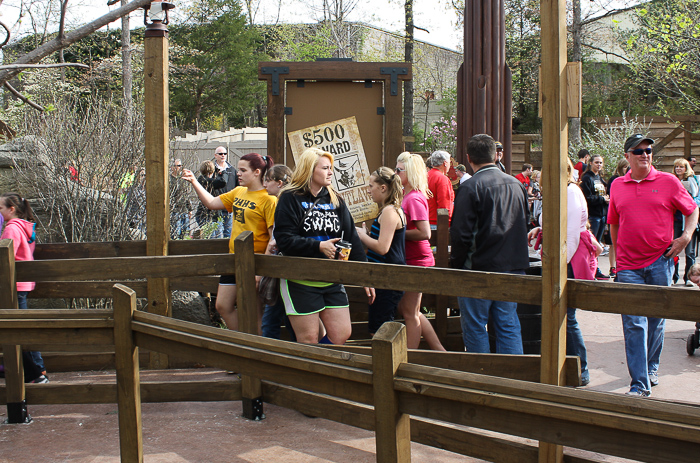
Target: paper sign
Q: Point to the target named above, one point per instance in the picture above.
(342, 139)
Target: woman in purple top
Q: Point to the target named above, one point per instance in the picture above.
(411, 170)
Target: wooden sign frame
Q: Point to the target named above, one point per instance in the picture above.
(391, 75)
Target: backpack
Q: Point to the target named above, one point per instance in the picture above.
(697, 197)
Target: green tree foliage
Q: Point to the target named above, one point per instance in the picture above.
(664, 53)
(523, 58)
(214, 64)
(298, 42)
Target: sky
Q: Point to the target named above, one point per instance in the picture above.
(432, 15)
(436, 16)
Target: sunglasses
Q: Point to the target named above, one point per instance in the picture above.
(178, 165)
(399, 170)
(640, 151)
(222, 154)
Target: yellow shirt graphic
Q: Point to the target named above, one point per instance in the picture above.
(251, 210)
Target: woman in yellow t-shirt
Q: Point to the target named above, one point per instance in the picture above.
(252, 209)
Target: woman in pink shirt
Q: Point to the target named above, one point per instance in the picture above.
(19, 227)
(411, 170)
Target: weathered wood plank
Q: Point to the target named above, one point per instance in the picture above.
(520, 288)
(57, 314)
(151, 392)
(14, 374)
(468, 442)
(128, 379)
(104, 249)
(340, 381)
(129, 268)
(580, 428)
(566, 398)
(243, 339)
(393, 440)
(247, 302)
(339, 71)
(521, 367)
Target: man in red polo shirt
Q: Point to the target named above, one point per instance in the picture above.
(443, 195)
(640, 214)
(524, 178)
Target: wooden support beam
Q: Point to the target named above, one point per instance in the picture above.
(12, 353)
(554, 162)
(442, 260)
(156, 106)
(248, 301)
(128, 381)
(687, 140)
(393, 428)
(659, 146)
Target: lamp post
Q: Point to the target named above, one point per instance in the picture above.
(156, 155)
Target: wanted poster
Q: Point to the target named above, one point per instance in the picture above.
(342, 139)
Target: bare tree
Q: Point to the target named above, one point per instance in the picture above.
(45, 49)
(408, 84)
(127, 80)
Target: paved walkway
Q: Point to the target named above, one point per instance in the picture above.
(679, 373)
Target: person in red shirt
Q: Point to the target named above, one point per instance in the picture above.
(642, 206)
(524, 178)
(442, 195)
(582, 165)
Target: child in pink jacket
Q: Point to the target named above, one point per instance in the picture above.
(20, 227)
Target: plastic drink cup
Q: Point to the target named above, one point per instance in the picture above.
(342, 250)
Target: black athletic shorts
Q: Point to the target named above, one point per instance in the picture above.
(227, 280)
(300, 299)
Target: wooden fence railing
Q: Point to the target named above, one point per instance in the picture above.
(293, 375)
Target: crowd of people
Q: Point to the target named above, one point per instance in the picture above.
(495, 218)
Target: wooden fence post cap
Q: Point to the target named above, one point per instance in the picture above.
(389, 331)
(245, 236)
(117, 288)
(443, 211)
(6, 243)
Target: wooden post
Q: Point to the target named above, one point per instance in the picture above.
(12, 355)
(247, 301)
(157, 158)
(554, 154)
(392, 428)
(687, 138)
(128, 380)
(442, 260)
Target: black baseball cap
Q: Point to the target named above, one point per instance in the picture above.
(635, 140)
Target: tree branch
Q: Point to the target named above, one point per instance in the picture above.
(7, 29)
(41, 66)
(606, 52)
(23, 98)
(56, 44)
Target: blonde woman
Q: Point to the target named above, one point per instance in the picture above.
(682, 170)
(385, 240)
(310, 219)
(411, 171)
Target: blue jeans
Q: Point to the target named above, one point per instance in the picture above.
(574, 342)
(36, 356)
(272, 319)
(597, 227)
(225, 227)
(474, 316)
(644, 336)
